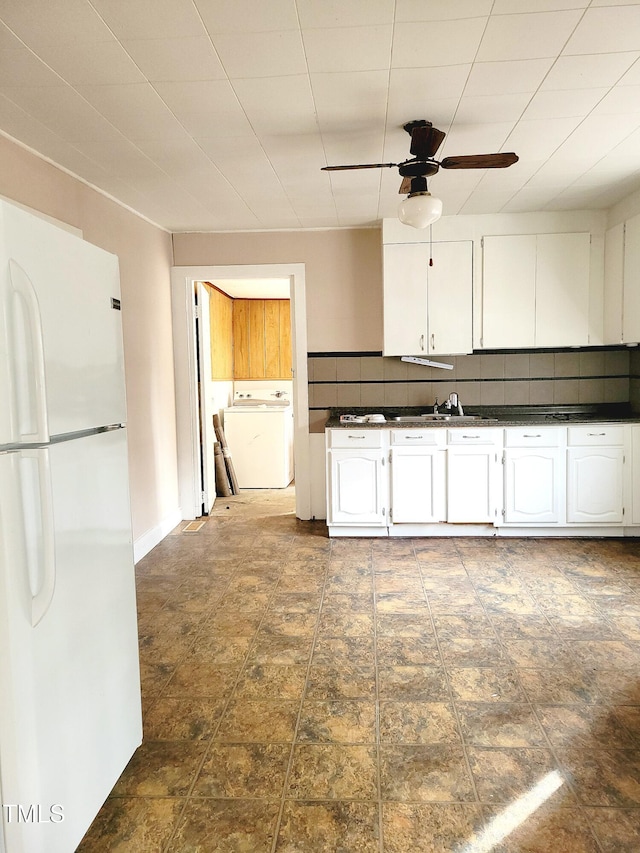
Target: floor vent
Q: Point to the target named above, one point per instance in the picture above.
(193, 527)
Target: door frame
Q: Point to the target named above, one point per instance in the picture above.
(186, 377)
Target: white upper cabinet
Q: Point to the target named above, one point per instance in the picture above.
(535, 290)
(622, 283)
(508, 291)
(428, 294)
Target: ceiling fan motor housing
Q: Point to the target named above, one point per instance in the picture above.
(418, 169)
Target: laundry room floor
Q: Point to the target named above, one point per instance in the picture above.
(303, 694)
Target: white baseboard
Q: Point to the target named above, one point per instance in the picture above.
(143, 544)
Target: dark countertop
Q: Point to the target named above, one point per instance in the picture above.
(492, 416)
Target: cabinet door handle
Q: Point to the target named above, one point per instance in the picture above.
(433, 341)
(422, 342)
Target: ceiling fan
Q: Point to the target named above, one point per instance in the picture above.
(420, 208)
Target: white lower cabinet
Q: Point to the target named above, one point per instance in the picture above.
(417, 476)
(390, 481)
(357, 478)
(534, 475)
(474, 493)
(595, 481)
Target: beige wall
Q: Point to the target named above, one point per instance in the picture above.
(343, 274)
(145, 261)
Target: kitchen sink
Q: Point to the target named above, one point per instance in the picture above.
(420, 419)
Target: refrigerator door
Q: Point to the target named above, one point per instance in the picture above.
(70, 712)
(61, 357)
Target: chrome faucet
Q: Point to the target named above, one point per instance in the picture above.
(452, 404)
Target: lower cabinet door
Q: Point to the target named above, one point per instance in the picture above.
(357, 487)
(473, 486)
(532, 485)
(595, 485)
(417, 485)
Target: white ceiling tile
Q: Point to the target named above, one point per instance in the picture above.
(588, 71)
(526, 36)
(621, 99)
(564, 103)
(420, 45)
(100, 63)
(150, 18)
(528, 199)
(247, 16)
(175, 59)
(354, 147)
(20, 67)
(278, 104)
(537, 140)
(478, 108)
(632, 77)
(273, 54)
(337, 13)
(345, 102)
(436, 10)
(136, 110)
(348, 48)
(508, 7)
(40, 22)
(475, 139)
(486, 202)
(205, 108)
(61, 109)
(176, 157)
(606, 30)
(8, 40)
(427, 84)
(509, 77)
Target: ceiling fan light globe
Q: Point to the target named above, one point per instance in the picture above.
(419, 210)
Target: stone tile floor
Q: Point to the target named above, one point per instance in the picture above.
(360, 695)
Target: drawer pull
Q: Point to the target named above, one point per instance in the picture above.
(471, 436)
(356, 437)
(594, 434)
(533, 436)
(413, 437)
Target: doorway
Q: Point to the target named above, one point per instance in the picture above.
(189, 436)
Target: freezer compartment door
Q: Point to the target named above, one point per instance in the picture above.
(62, 364)
(70, 711)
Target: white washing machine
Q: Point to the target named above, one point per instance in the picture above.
(258, 428)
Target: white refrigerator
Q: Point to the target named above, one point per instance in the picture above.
(70, 710)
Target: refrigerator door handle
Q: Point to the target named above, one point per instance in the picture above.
(39, 529)
(28, 359)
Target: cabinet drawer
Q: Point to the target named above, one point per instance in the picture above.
(601, 434)
(474, 435)
(419, 437)
(533, 436)
(356, 438)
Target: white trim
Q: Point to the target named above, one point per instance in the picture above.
(182, 279)
(145, 543)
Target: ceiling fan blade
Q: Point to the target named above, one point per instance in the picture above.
(405, 186)
(359, 166)
(425, 141)
(480, 161)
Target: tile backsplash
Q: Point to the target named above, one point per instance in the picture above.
(610, 375)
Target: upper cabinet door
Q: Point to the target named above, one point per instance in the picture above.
(631, 297)
(613, 276)
(405, 298)
(508, 291)
(562, 289)
(428, 307)
(535, 291)
(450, 298)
